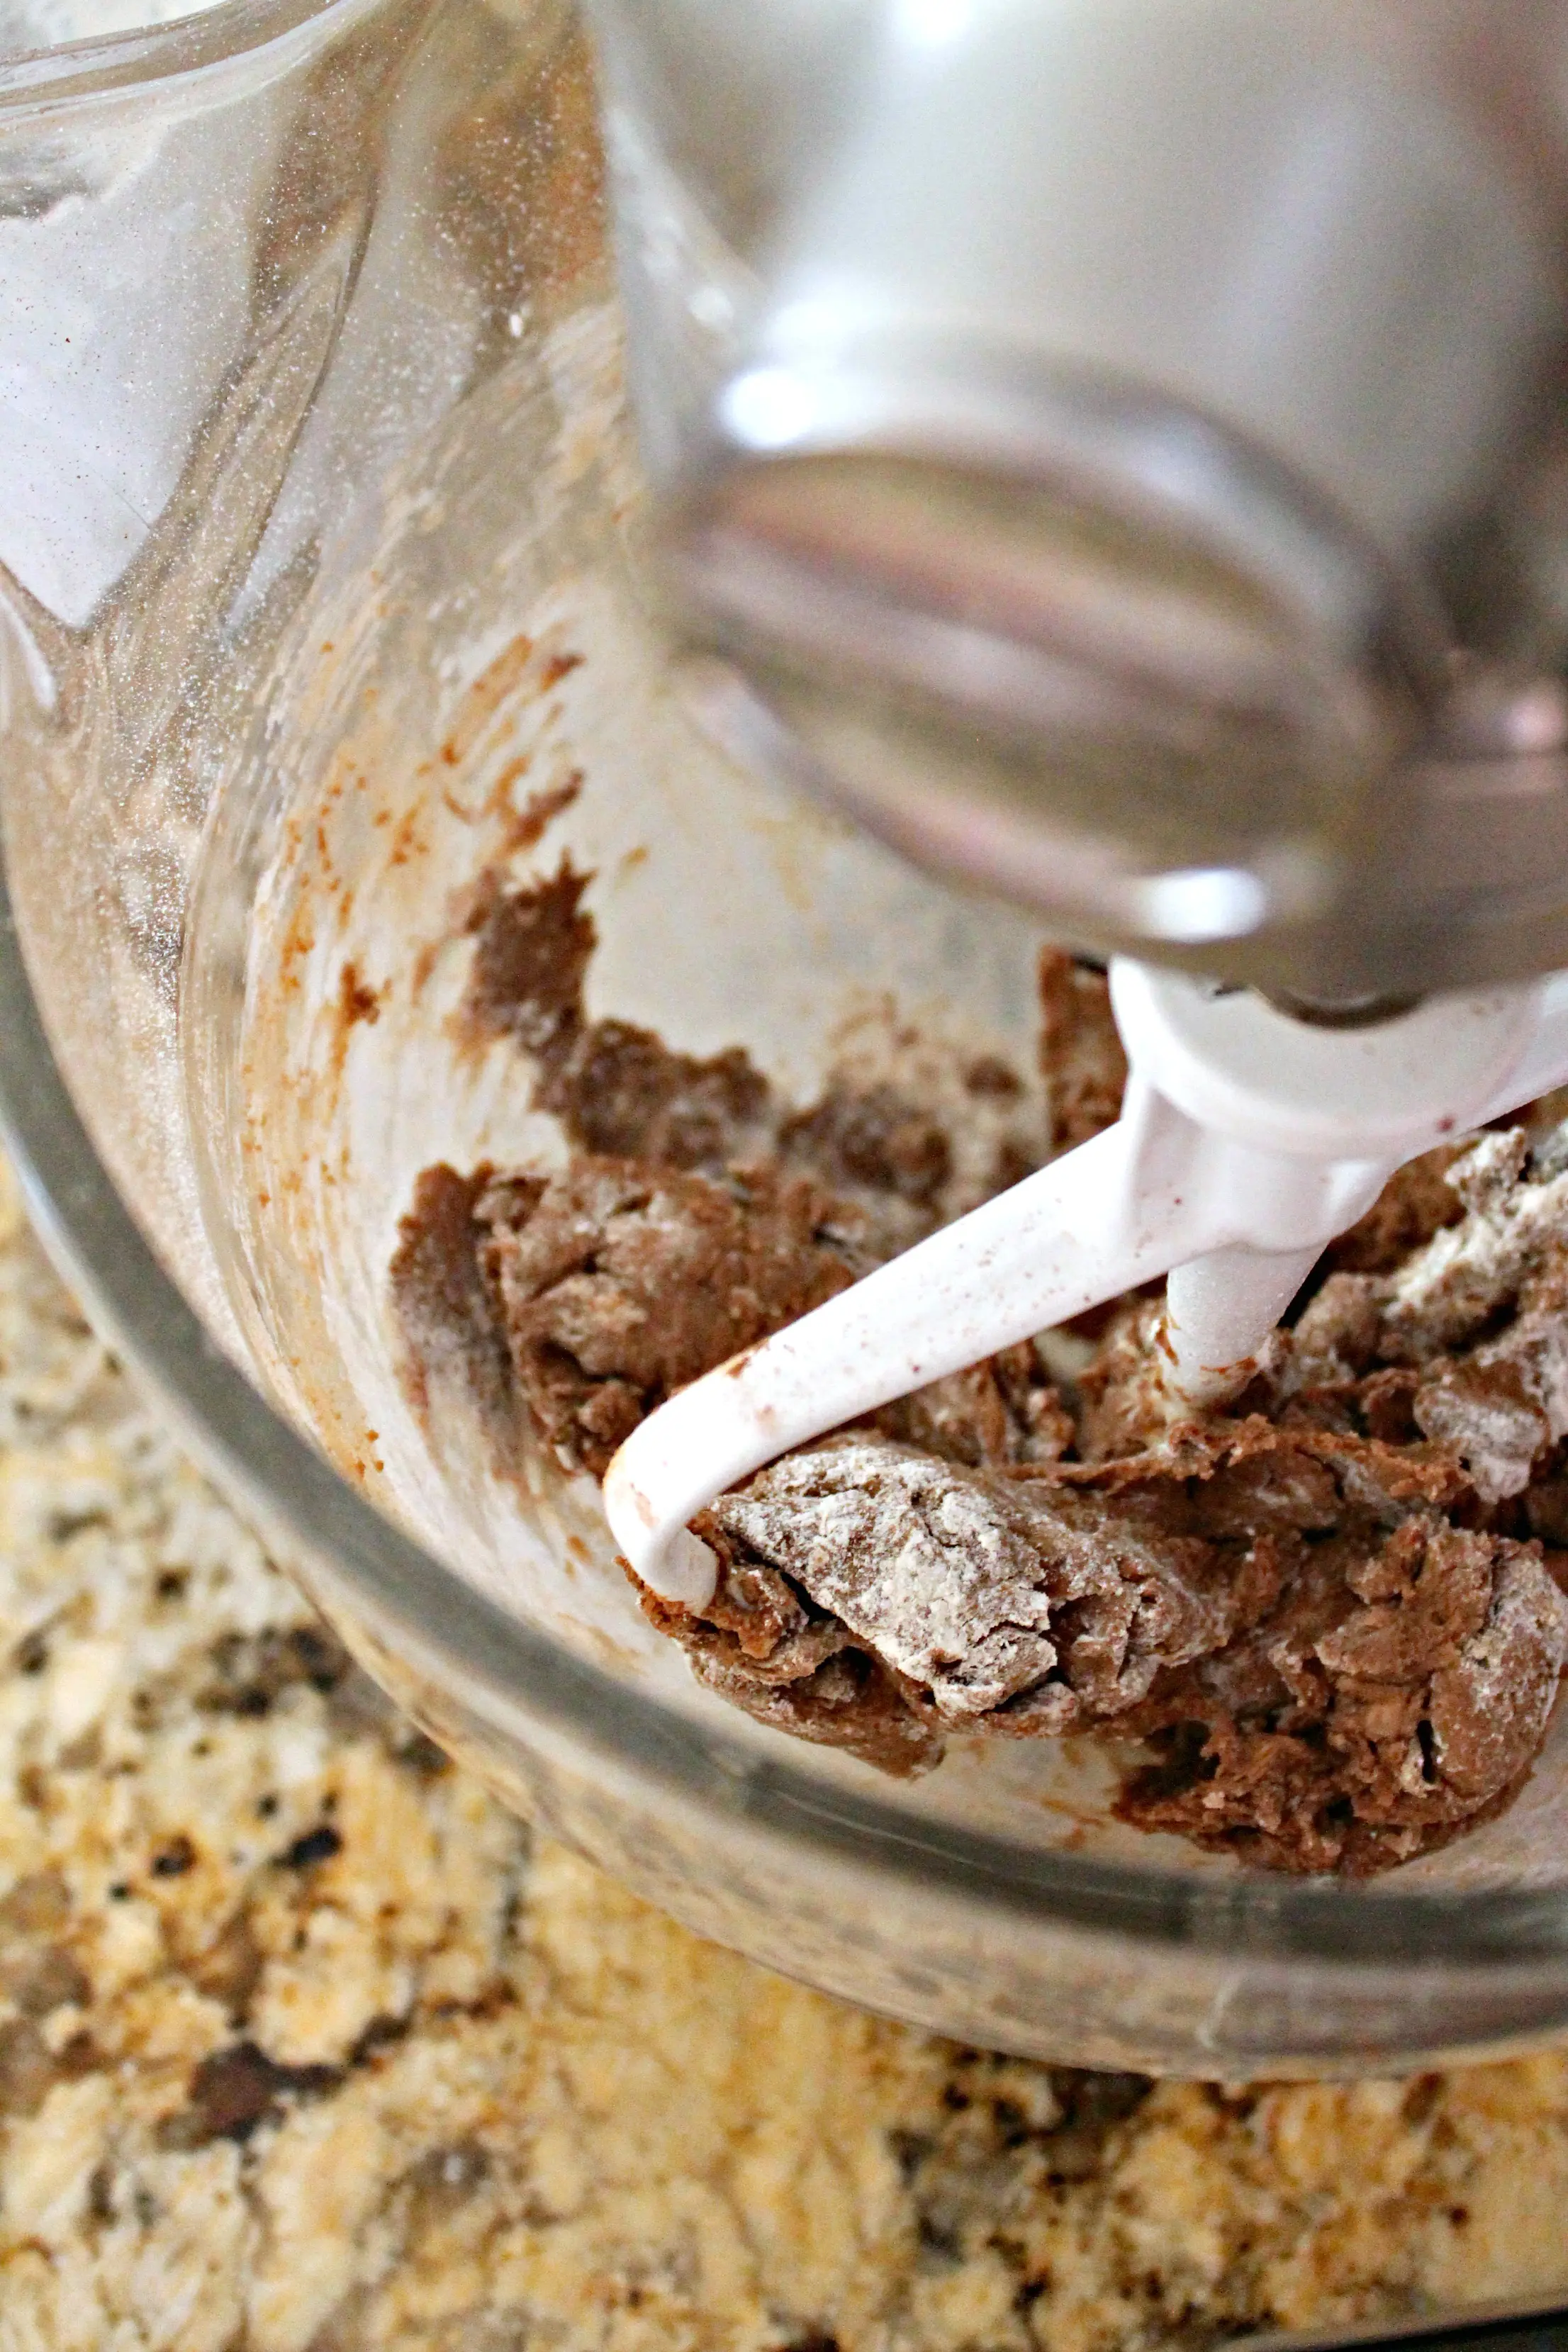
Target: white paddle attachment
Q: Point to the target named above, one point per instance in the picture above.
(1248, 1141)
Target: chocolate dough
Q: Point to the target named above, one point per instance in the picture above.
(620, 1282)
(1082, 1065)
(1331, 1614)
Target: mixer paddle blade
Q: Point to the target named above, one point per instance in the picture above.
(1248, 1141)
(1114, 1213)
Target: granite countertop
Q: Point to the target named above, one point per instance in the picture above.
(304, 2046)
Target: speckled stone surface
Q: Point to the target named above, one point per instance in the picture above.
(302, 2049)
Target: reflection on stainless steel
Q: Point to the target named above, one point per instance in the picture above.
(1123, 442)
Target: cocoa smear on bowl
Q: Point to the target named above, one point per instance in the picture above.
(1331, 1613)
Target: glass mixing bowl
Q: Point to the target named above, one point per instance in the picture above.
(320, 553)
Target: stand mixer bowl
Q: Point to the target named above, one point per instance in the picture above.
(383, 583)
(1115, 452)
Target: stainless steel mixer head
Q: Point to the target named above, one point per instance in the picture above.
(1116, 448)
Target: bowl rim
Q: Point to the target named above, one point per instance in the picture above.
(103, 64)
(282, 1481)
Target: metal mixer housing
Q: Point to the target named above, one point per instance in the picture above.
(1117, 451)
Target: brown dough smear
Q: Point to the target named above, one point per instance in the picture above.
(1082, 1060)
(1331, 1613)
(616, 1089)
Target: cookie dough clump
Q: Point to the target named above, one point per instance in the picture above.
(1331, 1616)
(619, 1282)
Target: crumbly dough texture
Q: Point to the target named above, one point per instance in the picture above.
(620, 1282)
(1331, 1613)
(302, 2049)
